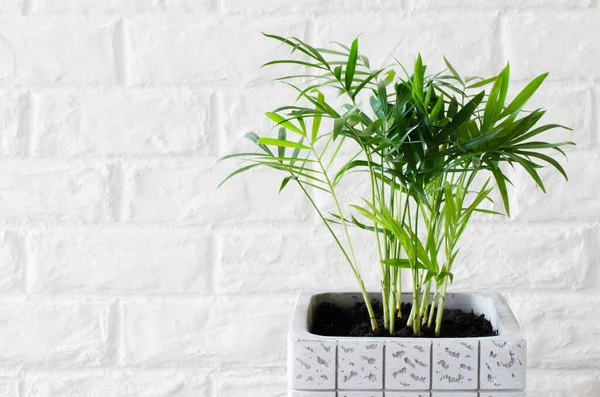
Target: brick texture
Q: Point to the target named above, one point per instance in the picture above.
(125, 272)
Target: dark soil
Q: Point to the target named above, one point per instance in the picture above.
(331, 320)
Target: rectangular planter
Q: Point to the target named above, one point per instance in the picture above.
(322, 366)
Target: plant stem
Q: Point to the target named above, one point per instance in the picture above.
(440, 312)
(416, 323)
(432, 310)
(425, 302)
(361, 284)
(399, 292)
(350, 247)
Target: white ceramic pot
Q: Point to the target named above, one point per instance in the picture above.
(322, 366)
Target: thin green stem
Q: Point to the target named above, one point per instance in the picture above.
(440, 309)
(432, 309)
(365, 294)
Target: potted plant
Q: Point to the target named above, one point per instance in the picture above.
(434, 149)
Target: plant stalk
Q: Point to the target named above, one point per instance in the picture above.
(440, 310)
(432, 310)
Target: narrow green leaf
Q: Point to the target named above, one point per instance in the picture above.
(491, 107)
(284, 183)
(337, 72)
(234, 155)
(453, 71)
(403, 264)
(524, 95)
(351, 65)
(238, 171)
(538, 131)
(317, 119)
(482, 83)
(547, 159)
(255, 138)
(365, 82)
(281, 136)
(292, 61)
(501, 183)
(417, 80)
(437, 108)
(338, 124)
(281, 143)
(282, 121)
(503, 90)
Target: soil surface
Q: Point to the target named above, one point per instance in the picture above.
(331, 320)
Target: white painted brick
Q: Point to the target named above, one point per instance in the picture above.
(179, 333)
(11, 262)
(469, 5)
(120, 260)
(143, 383)
(566, 253)
(250, 331)
(558, 328)
(92, 7)
(186, 192)
(404, 38)
(54, 334)
(9, 387)
(576, 199)
(85, 7)
(193, 332)
(563, 383)
(250, 384)
(536, 43)
(70, 52)
(164, 49)
(12, 137)
(138, 122)
(54, 191)
(245, 266)
(11, 7)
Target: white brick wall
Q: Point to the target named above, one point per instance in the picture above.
(124, 273)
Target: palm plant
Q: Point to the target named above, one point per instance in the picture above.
(424, 140)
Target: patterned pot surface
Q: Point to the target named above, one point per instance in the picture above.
(321, 366)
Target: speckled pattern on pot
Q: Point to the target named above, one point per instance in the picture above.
(320, 366)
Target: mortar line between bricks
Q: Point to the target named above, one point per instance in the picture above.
(27, 123)
(28, 265)
(211, 390)
(121, 48)
(215, 251)
(116, 202)
(594, 117)
(217, 110)
(28, 9)
(219, 6)
(115, 335)
(500, 41)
